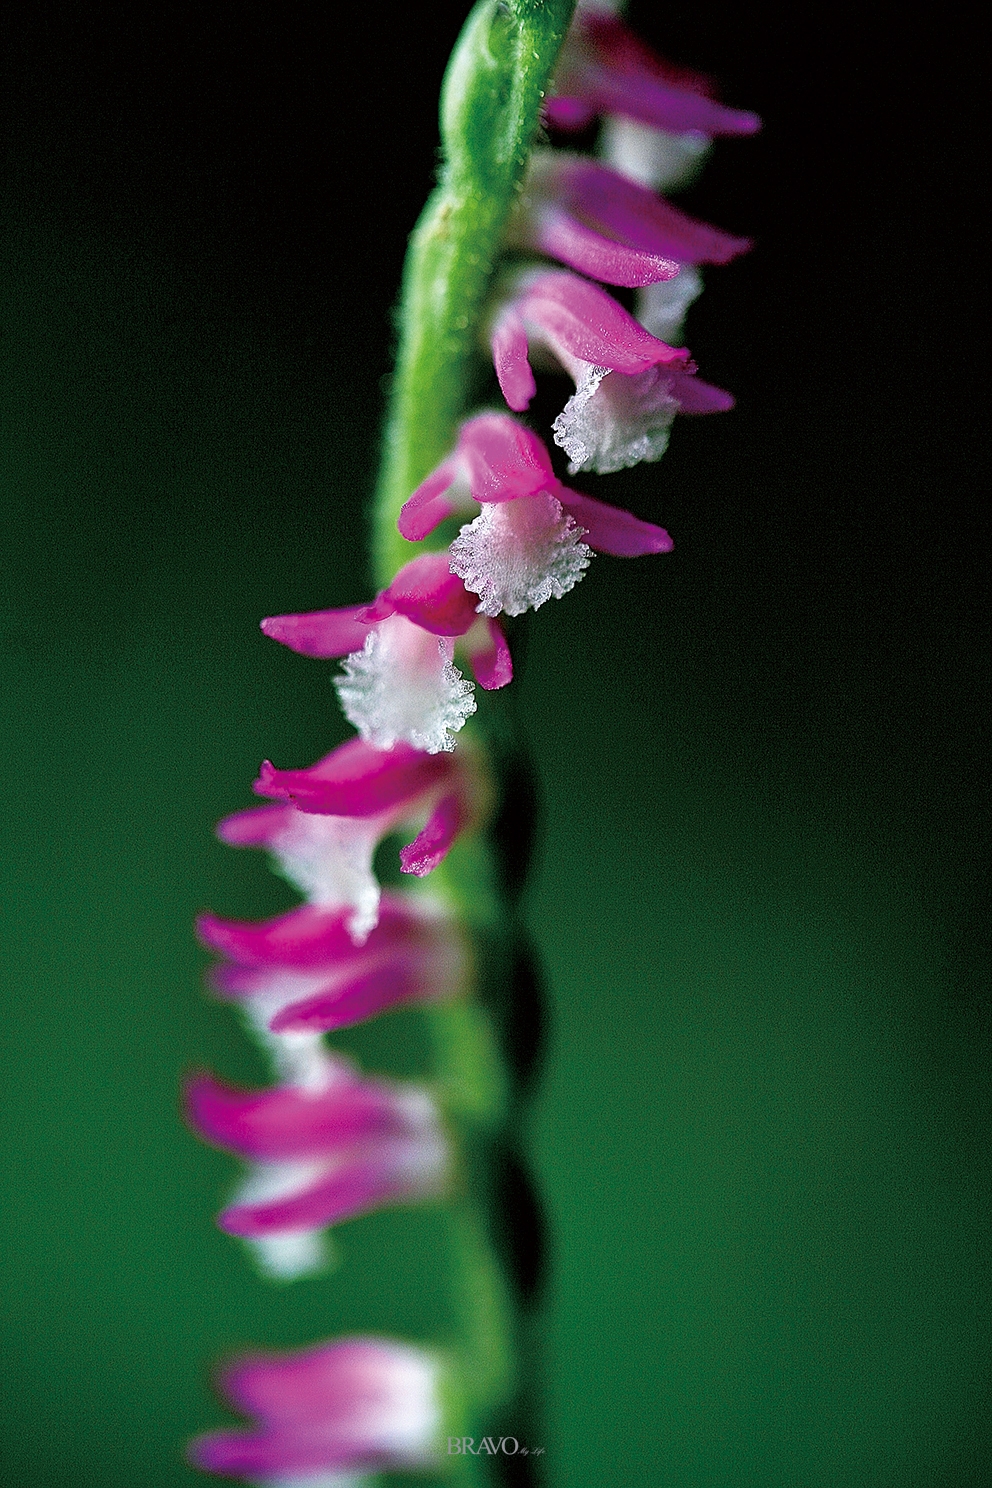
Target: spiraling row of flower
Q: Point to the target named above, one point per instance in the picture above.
(325, 1144)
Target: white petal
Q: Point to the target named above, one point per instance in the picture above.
(614, 420)
(661, 308)
(291, 1254)
(653, 157)
(329, 859)
(403, 685)
(400, 1413)
(517, 554)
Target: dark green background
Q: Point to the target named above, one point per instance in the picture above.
(758, 894)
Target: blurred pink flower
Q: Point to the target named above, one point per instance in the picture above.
(604, 68)
(302, 973)
(355, 1406)
(320, 1153)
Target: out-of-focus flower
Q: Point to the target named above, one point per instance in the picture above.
(658, 123)
(607, 226)
(533, 538)
(328, 1414)
(628, 385)
(302, 974)
(400, 681)
(320, 1153)
(394, 787)
(604, 68)
(652, 157)
(324, 837)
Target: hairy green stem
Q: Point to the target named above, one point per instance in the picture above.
(490, 107)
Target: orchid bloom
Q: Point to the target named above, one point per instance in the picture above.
(334, 815)
(328, 1415)
(302, 974)
(605, 225)
(400, 681)
(386, 789)
(319, 1153)
(628, 385)
(533, 538)
(604, 68)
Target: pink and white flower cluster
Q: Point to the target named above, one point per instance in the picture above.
(324, 1143)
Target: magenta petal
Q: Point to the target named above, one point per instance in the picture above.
(513, 370)
(237, 1453)
(653, 102)
(586, 322)
(428, 506)
(356, 779)
(503, 458)
(255, 827)
(284, 1122)
(359, 1185)
(308, 936)
(635, 216)
(626, 77)
(560, 235)
(357, 1000)
(427, 592)
(568, 114)
(431, 846)
(490, 656)
(380, 609)
(321, 633)
(271, 1456)
(609, 529)
(695, 396)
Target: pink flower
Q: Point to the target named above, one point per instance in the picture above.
(320, 1153)
(302, 974)
(605, 69)
(356, 1406)
(387, 788)
(525, 546)
(599, 222)
(399, 680)
(628, 385)
(362, 794)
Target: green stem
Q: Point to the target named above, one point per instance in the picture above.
(490, 104)
(490, 107)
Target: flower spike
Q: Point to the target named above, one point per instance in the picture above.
(355, 1406)
(324, 1144)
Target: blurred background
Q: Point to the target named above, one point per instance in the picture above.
(759, 888)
